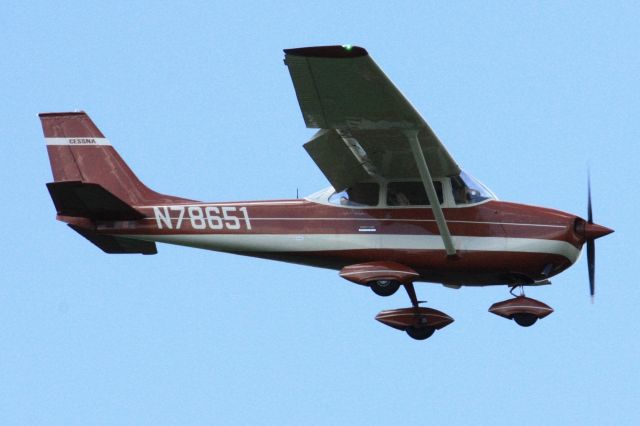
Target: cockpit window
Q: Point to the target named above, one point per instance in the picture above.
(467, 190)
(410, 194)
(360, 194)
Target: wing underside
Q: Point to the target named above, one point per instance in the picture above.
(365, 121)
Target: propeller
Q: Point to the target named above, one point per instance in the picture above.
(591, 244)
(590, 232)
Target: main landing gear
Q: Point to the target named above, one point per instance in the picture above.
(419, 323)
(525, 311)
(384, 279)
(384, 288)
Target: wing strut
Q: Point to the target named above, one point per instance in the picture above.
(412, 136)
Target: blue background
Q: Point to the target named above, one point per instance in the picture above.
(197, 100)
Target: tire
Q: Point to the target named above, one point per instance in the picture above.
(524, 319)
(420, 333)
(384, 288)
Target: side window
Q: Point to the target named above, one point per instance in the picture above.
(360, 194)
(410, 193)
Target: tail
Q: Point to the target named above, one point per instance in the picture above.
(93, 183)
(79, 152)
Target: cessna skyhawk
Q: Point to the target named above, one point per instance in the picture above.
(399, 210)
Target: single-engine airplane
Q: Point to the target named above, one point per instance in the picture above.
(399, 210)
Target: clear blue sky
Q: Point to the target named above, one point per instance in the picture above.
(197, 100)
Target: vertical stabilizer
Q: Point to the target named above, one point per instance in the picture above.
(79, 152)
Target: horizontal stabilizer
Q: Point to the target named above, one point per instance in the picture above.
(116, 245)
(90, 200)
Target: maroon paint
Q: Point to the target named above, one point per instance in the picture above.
(521, 305)
(103, 165)
(414, 317)
(363, 273)
(94, 163)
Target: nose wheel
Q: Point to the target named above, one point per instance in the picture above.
(524, 310)
(524, 319)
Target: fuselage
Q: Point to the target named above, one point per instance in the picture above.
(497, 242)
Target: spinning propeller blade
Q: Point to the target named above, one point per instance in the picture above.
(590, 232)
(591, 245)
(589, 211)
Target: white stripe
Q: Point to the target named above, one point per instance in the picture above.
(79, 141)
(234, 203)
(542, 225)
(324, 242)
(404, 314)
(354, 219)
(525, 307)
(346, 274)
(400, 314)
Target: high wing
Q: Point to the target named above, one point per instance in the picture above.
(365, 121)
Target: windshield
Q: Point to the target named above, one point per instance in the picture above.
(467, 190)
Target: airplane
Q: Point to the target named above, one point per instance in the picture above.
(399, 210)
